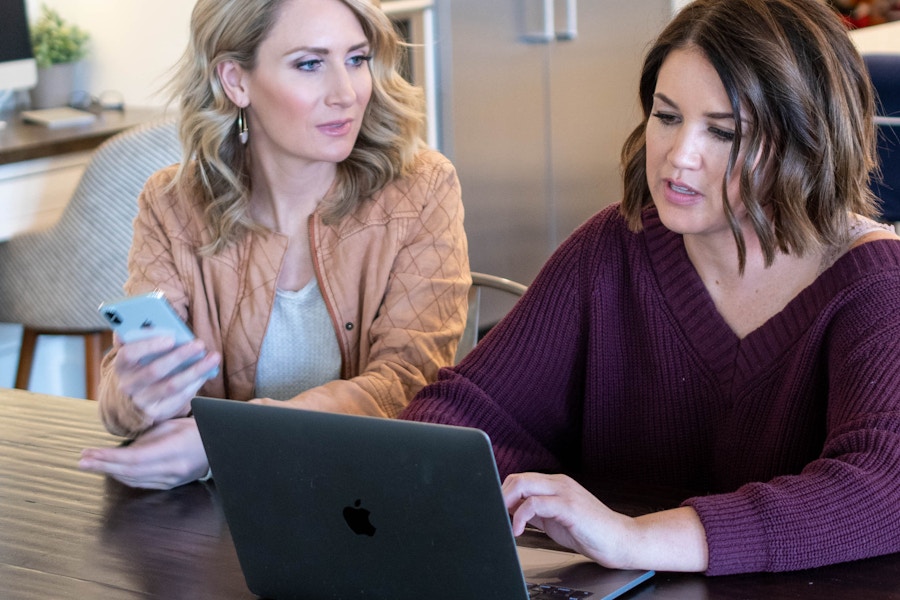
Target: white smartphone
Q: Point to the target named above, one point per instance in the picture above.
(139, 317)
(147, 315)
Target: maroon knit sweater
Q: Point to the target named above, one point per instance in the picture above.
(616, 363)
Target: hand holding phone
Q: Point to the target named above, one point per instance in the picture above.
(148, 315)
(153, 375)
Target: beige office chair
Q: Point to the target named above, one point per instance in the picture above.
(52, 281)
(480, 283)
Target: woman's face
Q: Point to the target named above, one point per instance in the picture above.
(689, 138)
(307, 94)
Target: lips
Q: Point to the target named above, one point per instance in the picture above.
(678, 192)
(336, 128)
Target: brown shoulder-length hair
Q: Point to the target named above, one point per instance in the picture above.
(810, 144)
(390, 138)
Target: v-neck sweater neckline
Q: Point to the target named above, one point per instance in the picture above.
(732, 358)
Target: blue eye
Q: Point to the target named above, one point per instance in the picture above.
(358, 61)
(309, 65)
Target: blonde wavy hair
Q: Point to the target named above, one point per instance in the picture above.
(218, 176)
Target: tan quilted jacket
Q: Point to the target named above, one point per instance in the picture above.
(394, 275)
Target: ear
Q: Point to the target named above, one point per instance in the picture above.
(233, 79)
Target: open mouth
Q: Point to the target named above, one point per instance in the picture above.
(682, 189)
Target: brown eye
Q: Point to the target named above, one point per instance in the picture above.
(722, 134)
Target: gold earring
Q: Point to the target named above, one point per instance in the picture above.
(243, 131)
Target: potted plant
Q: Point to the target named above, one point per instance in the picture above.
(59, 49)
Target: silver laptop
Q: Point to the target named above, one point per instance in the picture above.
(334, 506)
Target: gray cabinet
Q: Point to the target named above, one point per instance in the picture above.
(536, 98)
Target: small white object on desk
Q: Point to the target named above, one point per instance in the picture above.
(58, 117)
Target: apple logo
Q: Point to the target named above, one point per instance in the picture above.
(358, 519)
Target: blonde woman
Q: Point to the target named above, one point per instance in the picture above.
(313, 243)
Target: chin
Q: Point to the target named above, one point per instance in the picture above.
(333, 157)
(342, 154)
(682, 222)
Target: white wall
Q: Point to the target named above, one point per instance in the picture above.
(878, 39)
(133, 42)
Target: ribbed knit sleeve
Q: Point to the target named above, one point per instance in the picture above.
(523, 383)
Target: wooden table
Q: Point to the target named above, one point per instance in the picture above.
(69, 534)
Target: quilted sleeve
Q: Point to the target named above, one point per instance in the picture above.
(151, 266)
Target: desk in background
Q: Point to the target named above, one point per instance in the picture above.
(40, 167)
(69, 534)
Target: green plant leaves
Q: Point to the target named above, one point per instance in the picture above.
(55, 41)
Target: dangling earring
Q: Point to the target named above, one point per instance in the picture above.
(243, 131)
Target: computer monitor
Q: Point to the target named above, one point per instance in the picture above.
(18, 68)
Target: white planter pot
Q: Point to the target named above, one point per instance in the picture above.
(55, 84)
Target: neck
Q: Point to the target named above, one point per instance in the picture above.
(747, 300)
(284, 195)
(716, 257)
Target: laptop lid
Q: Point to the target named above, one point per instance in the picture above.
(322, 505)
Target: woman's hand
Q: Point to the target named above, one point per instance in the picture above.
(165, 456)
(569, 514)
(148, 373)
(672, 540)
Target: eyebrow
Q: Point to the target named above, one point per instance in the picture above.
(316, 50)
(712, 115)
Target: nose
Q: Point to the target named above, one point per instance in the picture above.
(340, 88)
(685, 151)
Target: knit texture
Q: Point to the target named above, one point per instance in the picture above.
(616, 363)
(299, 350)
